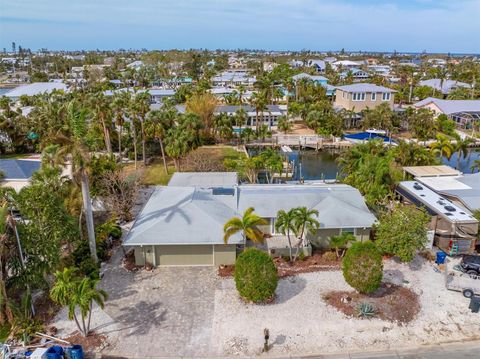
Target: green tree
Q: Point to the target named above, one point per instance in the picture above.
(284, 124)
(157, 124)
(443, 146)
(340, 243)
(285, 224)
(247, 225)
(362, 267)
(402, 232)
(307, 222)
(78, 294)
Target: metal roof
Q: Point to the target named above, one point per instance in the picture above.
(307, 76)
(435, 202)
(18, 169)
(445, 87)
(36, 88)
(431, 171)
(204, 179)
(450, 107)
(364, 87)
(182, 216)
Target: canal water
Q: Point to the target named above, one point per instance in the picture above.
(313, 165)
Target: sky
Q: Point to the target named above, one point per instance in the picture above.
(368, 25)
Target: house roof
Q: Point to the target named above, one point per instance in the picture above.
(445, 87)
(183, 216)
(338, 205)
(312, 77)
(247, 108)
(449, 107)
(464, 187)
(36, 88)
(431, 171)
(204, 179)
(18, 169)
(364, 87)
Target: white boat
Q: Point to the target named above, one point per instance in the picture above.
(378, 132)
(286, 149)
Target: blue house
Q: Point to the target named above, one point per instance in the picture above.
(319, 80)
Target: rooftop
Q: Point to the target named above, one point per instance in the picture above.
(364, 87)
(449, 107)
(18, 169)
(204, 179)
(445, 87)
(431, 171)
(435, 203)
(36, 88)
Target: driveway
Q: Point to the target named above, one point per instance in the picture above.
(167, 312)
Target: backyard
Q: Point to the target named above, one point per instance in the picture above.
(194, 312)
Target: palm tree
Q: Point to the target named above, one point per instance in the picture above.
(461, 147)
(284, 124)
(102, 112)
(339, 243)
(142, 107)
(157, 124)
(306, 221)
(119, 106)
(475, 165)
(6, 314)
(285, 223)
(74, 292)
(443, 146)
(74, 149)
(247, 225)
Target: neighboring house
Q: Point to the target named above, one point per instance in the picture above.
(357, 74)
(358, 97)
(455, 229)
(320, 80)
(296, 63)
(36, 88)
(268, 116)
(463, 112)
(233, 78)
(17, 173)
(345, 64)
(444, 87)
(318, 65)
(462, 189)
(183, 225)
(136, 65)
(156, 95)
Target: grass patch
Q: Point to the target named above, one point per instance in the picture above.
(155, 174)
(14, 156)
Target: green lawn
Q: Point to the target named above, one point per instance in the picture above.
(14, 156)
(155, 174)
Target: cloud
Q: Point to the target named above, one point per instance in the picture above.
(405, 25)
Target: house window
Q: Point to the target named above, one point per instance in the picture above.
(386, 96)
(358, 96)
(343, 94)
(348, 230)
(374, 96)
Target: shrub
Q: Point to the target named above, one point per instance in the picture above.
(330, 256)
(255, 275)
(363, 267)
(365, 310)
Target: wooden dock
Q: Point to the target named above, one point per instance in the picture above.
(297, 141)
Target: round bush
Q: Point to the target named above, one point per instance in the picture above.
(255, 275)
(363, 267)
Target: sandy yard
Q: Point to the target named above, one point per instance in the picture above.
(300, 322)
(191, 311)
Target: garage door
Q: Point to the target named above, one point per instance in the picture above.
(184, 255)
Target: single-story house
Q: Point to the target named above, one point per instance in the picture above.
(445, 86)
(183, 225)
(204, 179)
(463, 112)
(268, 116)
(36, 88)
(17, 172)
(357, 74)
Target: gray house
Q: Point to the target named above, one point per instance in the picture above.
(183, 225)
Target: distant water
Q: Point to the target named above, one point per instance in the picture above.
(4, 90)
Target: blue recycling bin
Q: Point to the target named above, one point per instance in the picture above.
(75, 352)
(441, 257)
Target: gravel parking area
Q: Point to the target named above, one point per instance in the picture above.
(300, 322)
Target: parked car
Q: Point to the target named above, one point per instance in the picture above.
(470, 264)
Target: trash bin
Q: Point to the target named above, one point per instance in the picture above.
(474, 304)
(75, 352)
(53, 353)
(441, 257)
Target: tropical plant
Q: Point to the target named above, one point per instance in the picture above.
(78, 294)
(247, 225)
(307, 221)
(362, 267)
(443, 146)
(255, 276)
(365, 310)
(402, 232)
(339, 243)
(157, 124)
(284, 124)
(285, 224)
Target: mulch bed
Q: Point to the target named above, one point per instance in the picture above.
(128, 261)
(391, 302)
(91, 343)
(314, 263)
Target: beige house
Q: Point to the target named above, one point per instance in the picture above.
(358, 97)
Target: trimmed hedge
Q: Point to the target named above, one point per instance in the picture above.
(362, 267)
(255, 276)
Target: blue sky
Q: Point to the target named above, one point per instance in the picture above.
(402, 25)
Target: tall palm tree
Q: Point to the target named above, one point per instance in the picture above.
(142, 106)
(119, 107)
(247, 225)
(462, 149)
(74, 149)
(157, 124)
(306, 221)
(102, 113)
(285, 223)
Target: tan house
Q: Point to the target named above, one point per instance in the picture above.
(358, 97)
